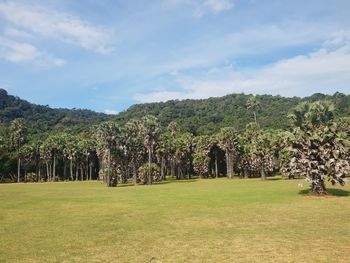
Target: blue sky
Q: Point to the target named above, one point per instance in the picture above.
(106, 55)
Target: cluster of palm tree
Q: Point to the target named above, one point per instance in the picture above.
(319, 146)
(143, 151)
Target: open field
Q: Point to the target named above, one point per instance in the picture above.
(190, 221)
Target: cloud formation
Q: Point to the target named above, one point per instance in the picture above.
(326, 69)
(20, 52)
(111, 112)
(57, 25)
(202, 7)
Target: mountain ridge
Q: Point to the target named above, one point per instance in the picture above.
(203, 116)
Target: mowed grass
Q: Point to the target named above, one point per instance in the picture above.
(216, 220)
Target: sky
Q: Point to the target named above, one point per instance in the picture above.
(106, 55)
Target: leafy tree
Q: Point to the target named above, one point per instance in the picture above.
(319, 146)
(31, 157)
(150, 132)
(229, 141)
(202, 147)
(46, 155)
(70, 152)
(262, 150)
(133, 145)
(18, 130)
(253, 104)
(107, 136)
(144, 173)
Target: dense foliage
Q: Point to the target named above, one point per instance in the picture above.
(208, 116)
(251, 137)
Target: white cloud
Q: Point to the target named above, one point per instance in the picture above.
(17, 52)
(111, 112)
(260, 40)
(327, 69)
(58, 25)
(213, 6)
(202, 7)
(161, 96)
(16, 33)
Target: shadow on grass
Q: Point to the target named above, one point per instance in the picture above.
(168, 181)
(331, 192)
(275, 178)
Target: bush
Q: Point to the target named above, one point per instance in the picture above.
(113, 181)
(144, 170)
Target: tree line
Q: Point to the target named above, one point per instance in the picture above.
(144, 151)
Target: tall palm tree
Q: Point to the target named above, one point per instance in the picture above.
(150, 132)
(228, 140)
(318, 149)
(55, 143)
(18, 130)
(46, 156)
(202, 146)
(133, 144)
(70, 151)
(107, 136)
(263, 153)
(253, 104)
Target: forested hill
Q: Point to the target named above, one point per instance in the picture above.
(44, 118)
(207, 116)
(197, 116)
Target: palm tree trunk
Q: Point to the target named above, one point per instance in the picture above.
(47, 171)
(263, 174)
(76, 172)
(87, 168)
(162, 174)
(216, 166)
(18, 170)
(71, 169)
(229, 165)
(318, 187)
(255, 117)
(245, 171)
(149, 166)
(134, 176)
(50, 171)
(54, 168)
(109, 167)
(65, 169)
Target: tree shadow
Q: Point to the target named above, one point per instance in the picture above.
(168, 181)
(331, 192)
(275, 178)
(338, 192)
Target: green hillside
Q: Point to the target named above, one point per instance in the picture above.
(209, 115)
(204, 116)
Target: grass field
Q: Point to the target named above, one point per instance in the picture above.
(191, 221)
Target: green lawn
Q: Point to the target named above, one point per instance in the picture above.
(191, 221)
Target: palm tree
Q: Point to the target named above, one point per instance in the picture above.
(107, 136)
(86, 147)
(30, 156)
(46, 155)
(18, 129)
(55, 143)
(319, 146)
(150, 132)
(253, 104)
(228, 140)
(133, 144)
(262, 150)
(202, 146)
(70, 151)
